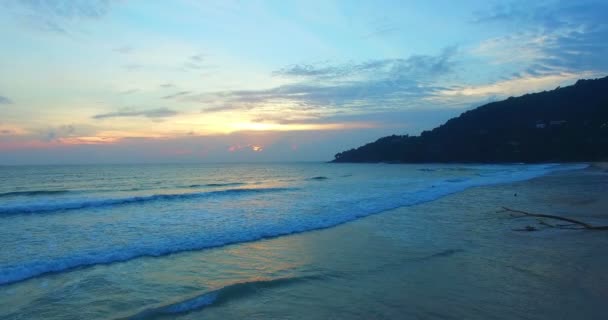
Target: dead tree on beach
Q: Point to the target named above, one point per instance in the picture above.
(572, 222)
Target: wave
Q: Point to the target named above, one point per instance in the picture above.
(220, 296)
(48, 207)
(450, 169)
(342, 212)
(244, 289)
(228, 184)
(32, 193)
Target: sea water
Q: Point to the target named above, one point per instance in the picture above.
(121, 241)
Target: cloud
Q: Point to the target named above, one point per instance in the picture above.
(365, 86)
(514, 86)
(12, 130)
(391, 92)
(197, 57)
(584, 49)
(292, 118)
(59, 132)
(553, 37)
(59, 16)
(128, 92)
(381, 26)
(196, 62)
(381, 31)
(311, 145)
(309, 70)
(153, 113)
(248, 147)
(547, 14)
(124, 49)
(175, 95)
(222, 108)
(133, 67)
(414, 66)
(5, 100)
(366, 94)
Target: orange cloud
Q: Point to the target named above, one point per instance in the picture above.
(270, 126)
(88, 140)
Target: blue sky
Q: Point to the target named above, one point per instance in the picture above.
(172, 81)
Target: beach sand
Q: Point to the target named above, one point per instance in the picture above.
(454, 258)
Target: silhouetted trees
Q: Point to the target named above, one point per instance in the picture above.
(565, 124)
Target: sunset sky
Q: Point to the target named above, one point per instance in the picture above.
(210, 81)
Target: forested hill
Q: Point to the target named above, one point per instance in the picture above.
(565, 124)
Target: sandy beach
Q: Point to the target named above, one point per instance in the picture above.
(453, 258)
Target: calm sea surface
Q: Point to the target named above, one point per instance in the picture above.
(146, 241)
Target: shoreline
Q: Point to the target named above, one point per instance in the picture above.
(476, 267)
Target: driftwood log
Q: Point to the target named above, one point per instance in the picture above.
(550, 216)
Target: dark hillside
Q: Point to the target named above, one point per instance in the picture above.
(565, 124)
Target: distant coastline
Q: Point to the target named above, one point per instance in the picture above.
(567, 124)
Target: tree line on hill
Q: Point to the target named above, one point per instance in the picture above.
(562, 125)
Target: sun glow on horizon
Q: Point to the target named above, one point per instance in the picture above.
(252, 147)
(121, 81)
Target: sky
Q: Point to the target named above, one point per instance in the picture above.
(121, 81)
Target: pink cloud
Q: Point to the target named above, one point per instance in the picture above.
(252, 147)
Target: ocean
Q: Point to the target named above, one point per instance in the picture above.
(154, 241)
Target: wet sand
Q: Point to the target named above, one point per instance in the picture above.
(454, 258)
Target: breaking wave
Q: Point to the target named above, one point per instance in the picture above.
(220, 296)
(54, 206)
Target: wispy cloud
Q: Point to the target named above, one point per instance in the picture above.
(12, 130)
(382, 31)
(509, 87)
(128, 92)
(133, 67)
(175, 95)
(416, 65)
(358, 95)
(197, 57)
(152, 113)
(550, 44)
(197, 62)
(5, 100)
(552, 37)
(58, 16)
(549, 15)
(583, 49)
(370, 85)
(224, 107)
(292, 118)
(124, 49)
(380, 27)
(59, 132)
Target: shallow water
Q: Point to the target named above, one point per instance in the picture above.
(188, 240)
